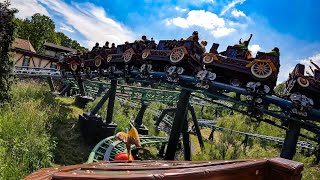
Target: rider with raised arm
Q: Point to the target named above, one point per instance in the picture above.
(244, 45)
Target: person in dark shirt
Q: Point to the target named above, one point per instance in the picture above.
(113, 48)
(152, 44)
(96, 47)
(144, 40)
(106, 45)
(194, 37)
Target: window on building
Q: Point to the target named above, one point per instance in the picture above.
(26, 61)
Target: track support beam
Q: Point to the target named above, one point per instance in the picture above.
(196, 125)
(112, 98)
(50, 82)
(142, 129)
(178, 122)
(163, 113)
(290, 142)
(186, 139)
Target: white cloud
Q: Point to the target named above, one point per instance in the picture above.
(315, 58)
(254, 49)
(66, 28)
(27, 8)
(201, 18)
(222, 31)
(177, 8)
(237, 13)
(209, 1)
(91, 21)
(231, 5)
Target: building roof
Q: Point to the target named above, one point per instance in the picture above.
(51, 45)
(23, 44)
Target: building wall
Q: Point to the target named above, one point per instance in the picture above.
(33, 61)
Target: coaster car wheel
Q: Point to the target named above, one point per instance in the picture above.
(177, 55)
(97, 61)
(109, 58)
(74, 66)
(261, 70)
(145, 54)
(207, 59)
(127, 55)
(303, 82)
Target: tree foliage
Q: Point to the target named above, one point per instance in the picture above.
(40, 29)
(7, 28)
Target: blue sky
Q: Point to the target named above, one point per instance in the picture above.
(291, 25)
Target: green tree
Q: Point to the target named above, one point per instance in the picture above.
(279, 89)
(64, 40)
(40, 29)
(7, 28)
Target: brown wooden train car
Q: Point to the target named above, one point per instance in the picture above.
(260, 169)
(299, 85)
(237, 67)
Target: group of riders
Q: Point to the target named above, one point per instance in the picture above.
(194, 37)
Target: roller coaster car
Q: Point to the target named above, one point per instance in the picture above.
(72, 62)
(125, 54)
(94, 59)
(236, 66)
(158, 58)
(187, 55)
(133, 52)
(301, 84)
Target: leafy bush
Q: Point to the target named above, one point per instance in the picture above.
(25, 141)
(7, 28)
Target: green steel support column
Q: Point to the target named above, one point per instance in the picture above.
(186, 139)
(182, 108)
(196, 125)
(111, 101)
(290, 142)
(163, 113)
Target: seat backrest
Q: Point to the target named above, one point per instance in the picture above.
(299, 69)
(264, 55)
(189, 45)
(231, 52)
(135, 46)
(121, 48)
(164, 45)
(316, 75)
(214, 48)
